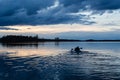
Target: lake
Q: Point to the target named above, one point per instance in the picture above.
(53, 61)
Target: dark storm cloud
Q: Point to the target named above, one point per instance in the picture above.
(104, 4)
(10, 7)
(92, 4)
(40, 12)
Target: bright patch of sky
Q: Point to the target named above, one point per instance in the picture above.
(45, 29)
(108, 18)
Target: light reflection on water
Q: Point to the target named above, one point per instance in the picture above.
(36, 49)
(52, 61)
(51, 48)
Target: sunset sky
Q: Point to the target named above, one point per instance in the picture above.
(73, 19)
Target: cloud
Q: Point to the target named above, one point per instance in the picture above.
(92, 4)
(7, 28)
(104, 4)
(42, 12)
(10, 7)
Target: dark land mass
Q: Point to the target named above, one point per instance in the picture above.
(30, 39)
(92, 40)
(20, 39)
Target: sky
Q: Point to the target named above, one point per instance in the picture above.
(72, 19)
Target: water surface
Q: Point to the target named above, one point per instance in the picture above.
(53, 61)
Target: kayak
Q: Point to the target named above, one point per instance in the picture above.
(79, 52)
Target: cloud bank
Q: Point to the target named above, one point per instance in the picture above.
(44, 12)
(7, 28)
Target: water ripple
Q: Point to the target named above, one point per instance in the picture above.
(88, 66)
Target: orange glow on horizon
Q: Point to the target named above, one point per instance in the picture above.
(47, 29)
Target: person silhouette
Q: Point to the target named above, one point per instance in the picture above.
(77, 50)
(72, 50)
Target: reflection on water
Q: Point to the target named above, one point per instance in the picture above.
(31, 49)
(52, 61)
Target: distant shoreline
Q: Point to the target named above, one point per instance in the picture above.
(100, 41)
(30, 39)
(20, 39)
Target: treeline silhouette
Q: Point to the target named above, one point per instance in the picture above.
(20, 38)
(15, 38)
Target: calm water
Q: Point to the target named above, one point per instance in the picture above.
(53, 61)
